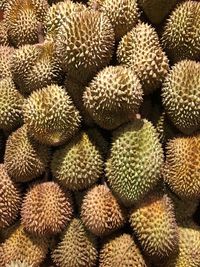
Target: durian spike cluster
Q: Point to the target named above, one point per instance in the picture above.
(99, 133)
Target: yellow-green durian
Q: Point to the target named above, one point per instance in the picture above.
(136, 158)
(51, 116)
(112, 96)
(3, 34)
(140, 49)
(5, 61)
(181, 95)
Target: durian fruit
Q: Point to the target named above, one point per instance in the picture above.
(135, 161)
(3, 4)
(21, 246)
(18, 264)
(113, 95)
(10, 199)
(78, 164)
(3, 34)
(140, 50)
(181, 170)
(181, 35)
(157, 10)
(51, 116)
(11, 102)
(77, 248)
(181, 95)
(100, 211)
(5, 61)
(123, 14)
(25, 159)
(24, 20)
(153, 221)
(121, 251)
(85, 44)
(46, 209)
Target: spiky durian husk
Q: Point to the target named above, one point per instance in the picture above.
(5, 61)
(24, 158)
(113, 95)
(85, 44)
(140, 50)
(135, 161)
(3, 34)
(123, 14)
(11, 102)
(19, 264)
(181, 95)
(182, 166)
(181, 36)
(77, 247)
(63, 118)
(46, 209)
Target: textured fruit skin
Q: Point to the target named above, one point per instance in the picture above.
(113, 95)
(78, 164)
(153, 221)
(25, 159)
(135, 161)
(181, 170)
(46, 209)
(140, 50)
(51, 115)
(23, 247)
(18, 264)
(123, 14)
(5, 61)
(121, 251)
(181, 95)
(181, 36)
(10, 199)
(3, 34)
(100, 211)
(85, 44)
(11, 102)
(77, 248)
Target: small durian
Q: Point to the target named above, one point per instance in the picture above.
(25, 159)
(136, 158)
(121, 251)
(112, 96)
(10, 199)
(181, 35)
(5, 61)
(19, 264)
(11, 103)
(140, 50)
(78, 164)
(51, 116)
(85, 44)
(123, 14)
(46, 209)
(181, 95)
(153, 221)
(77, 247)
(100, 211)
(3, 33)
(182, 166)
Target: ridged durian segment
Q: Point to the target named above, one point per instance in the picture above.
(46, 209)
(21, 246)
(77, 248)
(11, 102)
(19, 264)
(157, 10)
(181, 95)
(181, 36)
(153, 221)
(113, 95)
(78, 164)
(58, 15)
(51, 116)
(140, 50)
(3, 34)
(121, 251)
(181, 171)
(25, 159)
(100, 211)
(85, 44)
(123, 14)
(135, 161)
(5, 61)
(23, 20)
(10, 199)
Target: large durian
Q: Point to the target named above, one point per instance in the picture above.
(3, 34)
(5, 61)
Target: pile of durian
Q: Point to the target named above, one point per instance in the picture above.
(99, 133)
